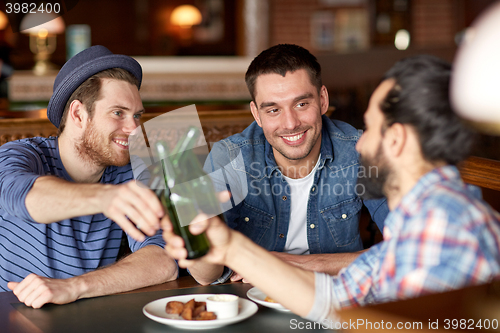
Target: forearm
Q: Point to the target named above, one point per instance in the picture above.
(205, 273)
(329, 263)
(53, 199)
(145, 267)
(289, 285)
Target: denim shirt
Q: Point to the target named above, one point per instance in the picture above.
(260, 205)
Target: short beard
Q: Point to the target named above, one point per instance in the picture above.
(295, 158)
(374, 186)
(305, 154)
(92, 149)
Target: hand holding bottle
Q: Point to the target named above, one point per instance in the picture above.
(218, 233)
(185, 191)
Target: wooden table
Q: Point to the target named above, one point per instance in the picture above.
(123, 313)
(471, 308)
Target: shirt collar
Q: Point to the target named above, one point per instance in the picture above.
(409, 203)
(424, 184)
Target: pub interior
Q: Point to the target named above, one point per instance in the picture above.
(354, 42)
(203, 61)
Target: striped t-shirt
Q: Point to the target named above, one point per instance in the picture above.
(58, 250)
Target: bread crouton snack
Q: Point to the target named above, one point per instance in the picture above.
(190, 310)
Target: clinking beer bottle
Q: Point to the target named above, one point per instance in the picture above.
(189, 191)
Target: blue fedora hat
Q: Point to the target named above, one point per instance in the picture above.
(81, 67)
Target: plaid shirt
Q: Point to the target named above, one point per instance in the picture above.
(440, 237)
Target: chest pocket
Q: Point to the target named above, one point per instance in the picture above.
(253, 222)
(343, 221)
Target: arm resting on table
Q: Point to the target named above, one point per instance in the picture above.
(330, 263)
(147, 266)
(205, 273)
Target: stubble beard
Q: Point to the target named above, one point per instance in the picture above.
(374, 186)
(95, 149)
(309, 147)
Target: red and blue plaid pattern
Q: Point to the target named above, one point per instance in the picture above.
(440, 237)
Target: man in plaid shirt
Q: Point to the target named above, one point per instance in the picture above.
(438, 236)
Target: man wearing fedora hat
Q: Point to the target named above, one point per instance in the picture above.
(64, 200)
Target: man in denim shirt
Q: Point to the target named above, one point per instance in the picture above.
(292, 173)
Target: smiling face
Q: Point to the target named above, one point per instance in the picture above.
(116, 114)
(289, 111)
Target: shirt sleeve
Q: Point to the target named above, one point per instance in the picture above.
(325, 302)
(354, 285)
(20, 166)
(226, 168)
(156, 239)
(226, 274)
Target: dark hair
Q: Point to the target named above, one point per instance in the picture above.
(89, 91)
(420, 98)
(280, 59)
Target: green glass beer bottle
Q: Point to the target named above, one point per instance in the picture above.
(188, 190)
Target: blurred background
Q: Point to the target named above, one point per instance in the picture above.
(197, 51)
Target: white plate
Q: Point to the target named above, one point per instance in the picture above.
(156, 310)
(258, 296)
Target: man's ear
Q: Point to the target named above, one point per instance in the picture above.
(77, 114)
(395, 139)
(324, 100)
(255, 113)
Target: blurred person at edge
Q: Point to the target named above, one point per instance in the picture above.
(64, 200)
(475, 91)
(438, 235)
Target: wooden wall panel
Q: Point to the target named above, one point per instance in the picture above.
(216, 125)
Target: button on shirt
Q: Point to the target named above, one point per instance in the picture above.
(440, 237)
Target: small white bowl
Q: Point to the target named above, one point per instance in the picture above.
(224, 305)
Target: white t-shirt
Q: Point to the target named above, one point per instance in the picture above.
(296, 239)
